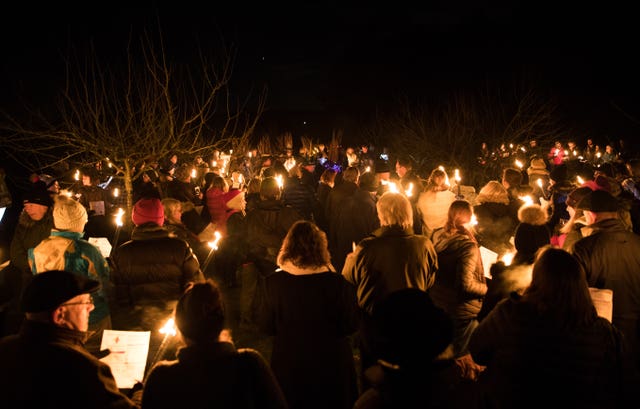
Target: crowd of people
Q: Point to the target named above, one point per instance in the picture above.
(380, 287)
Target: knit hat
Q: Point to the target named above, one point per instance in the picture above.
(599, 201)
(529, 238)
(559, 173)
(234, 199)
(538, 163)
(148, 210)
(49, 289)
(38, 194)
(601, 182)
(574, 197)
(368, 182)
(382, 167)
(69, 215)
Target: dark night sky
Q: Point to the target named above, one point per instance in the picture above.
(352, 60)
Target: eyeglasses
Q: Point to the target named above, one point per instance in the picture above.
(90, 302)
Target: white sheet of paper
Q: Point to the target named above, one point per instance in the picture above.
(488, 258)
(128, 357)
(603, 301)
(102, 243)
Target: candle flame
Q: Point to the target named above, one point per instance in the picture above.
(116, 192)
(118, 216)
(409, 191)
(456, 175)
(393, 188)
(580, 180)
(519, 164)
(76, 175)
(367, 169)
(214, 244)
(526, 199)
(169, 328)
(598, 155)
(539, 182)
(194, 173)
(507, 258)
(279, 181)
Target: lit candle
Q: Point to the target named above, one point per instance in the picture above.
(392, 187)
(519, 164)
(409, 191)
(76, 176)
(116, 192)
(457, 177)
(580, 180)
(526, 199)
(279, 181)
(507, 258)
(214, 246)
(194, 173)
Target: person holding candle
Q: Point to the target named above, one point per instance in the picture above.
(460, 284)
(209, 370)
(433, 204)
(549, 348)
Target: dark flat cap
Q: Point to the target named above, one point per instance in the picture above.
(50, 289)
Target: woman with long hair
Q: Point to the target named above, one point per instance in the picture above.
(548, 346)
(433, 203)
(311, 311)
(460, 282)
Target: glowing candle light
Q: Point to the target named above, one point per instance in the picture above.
(518, 164)
(279, 181)
(507, 258)
(598, 155)
(194, 173)
(76, 175)
(393, 187)
(528, 200)
(580, 180)
(118, 217)
(456, 176)
(446, 177)
(367, 169)
(409, 191)
(214, 246)
(169, 328)
(116, 192)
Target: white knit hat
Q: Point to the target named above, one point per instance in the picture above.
(69, 215)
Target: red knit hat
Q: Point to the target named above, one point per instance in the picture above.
(148, 210)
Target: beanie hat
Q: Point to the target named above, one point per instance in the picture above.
(69, 214)
(599, 201)
(234, 199)
(559, 173)
(529, 238)
(538, 163)
(382, 167)
(368, 182)
(49, 289)
(601, 182)
(38, 194)
(574, 197)
(148, 210)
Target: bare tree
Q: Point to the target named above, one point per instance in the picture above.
(132, 115)
(452, 134)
